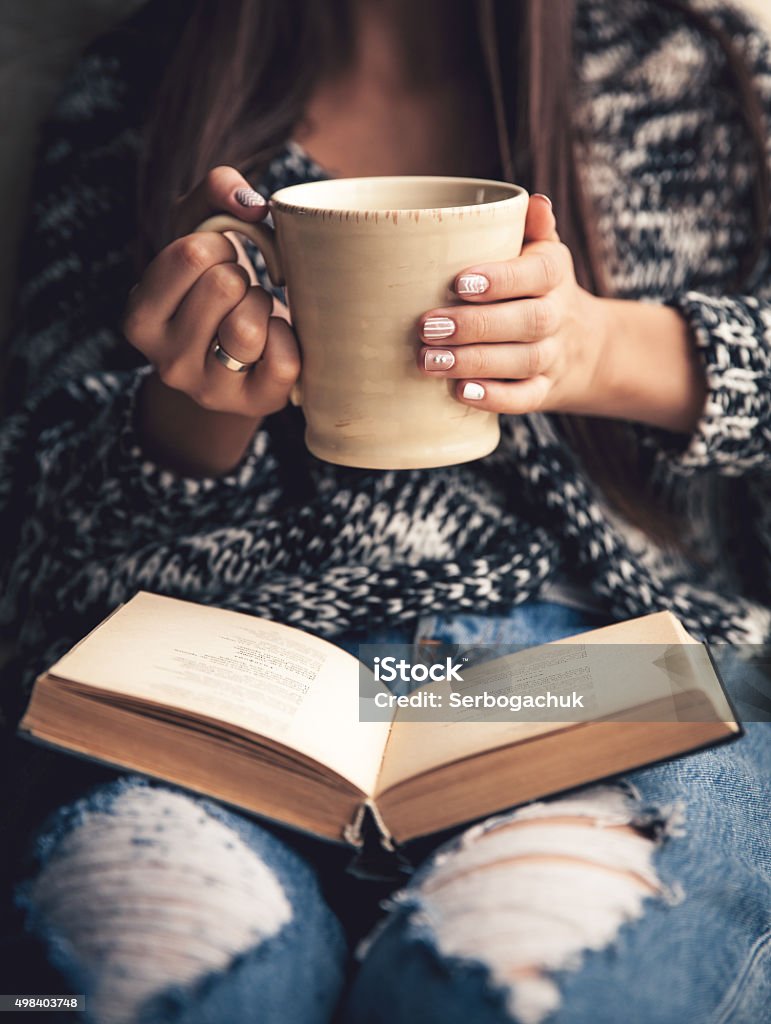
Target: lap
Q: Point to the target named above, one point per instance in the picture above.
(480, 933)
(466, 938)
(508, 922)
(168, 907)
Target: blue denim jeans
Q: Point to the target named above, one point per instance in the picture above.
(646, 900)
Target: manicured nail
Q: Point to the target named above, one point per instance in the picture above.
(472, 284)
(437, 327)
(248, 197)
(438, 359)
(473, 391)
(540, 195)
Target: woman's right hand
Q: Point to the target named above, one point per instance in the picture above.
(194, 292)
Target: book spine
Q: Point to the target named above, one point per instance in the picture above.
(354, 832)
(386, 839)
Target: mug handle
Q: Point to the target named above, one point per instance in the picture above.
(264, 238)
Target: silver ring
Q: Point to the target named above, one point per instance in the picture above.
(228, 361)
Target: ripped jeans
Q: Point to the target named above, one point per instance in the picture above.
(647, 900)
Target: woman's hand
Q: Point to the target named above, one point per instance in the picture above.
(196, 416)
(195, 292)
(528, 338)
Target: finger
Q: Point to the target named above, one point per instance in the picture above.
(507, 361)
(269, 383)
(181, 357)
(244, 331)
(514, 398)
(156, 299)
(223, 190)
(533, 273)
(539, 270)
(522, 320)
(540, 224)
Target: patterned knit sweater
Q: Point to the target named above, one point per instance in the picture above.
(88, 519)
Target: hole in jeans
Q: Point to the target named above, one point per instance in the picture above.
(528, 893)
(152, 891)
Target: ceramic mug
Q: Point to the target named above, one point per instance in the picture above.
(362, 259)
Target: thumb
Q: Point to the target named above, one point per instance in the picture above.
(223, 190)
(541, 224)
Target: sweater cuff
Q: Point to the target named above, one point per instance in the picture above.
(160, 484)
(732, 338)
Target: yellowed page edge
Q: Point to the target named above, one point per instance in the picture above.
(273, 680)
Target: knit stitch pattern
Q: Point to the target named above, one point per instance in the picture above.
(89, 520)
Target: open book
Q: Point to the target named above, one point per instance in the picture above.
(268, 718)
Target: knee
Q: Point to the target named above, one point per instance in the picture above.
(516, 899)
(146, 890)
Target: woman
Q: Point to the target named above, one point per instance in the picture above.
(635, 428)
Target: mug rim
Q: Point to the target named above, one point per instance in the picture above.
(279, 201)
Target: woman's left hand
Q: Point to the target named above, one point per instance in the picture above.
(528, 337)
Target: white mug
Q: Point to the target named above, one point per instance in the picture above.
(362, 259)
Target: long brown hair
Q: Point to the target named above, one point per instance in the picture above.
(244, 70)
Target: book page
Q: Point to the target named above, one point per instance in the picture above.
(269, 679)
(615, 669)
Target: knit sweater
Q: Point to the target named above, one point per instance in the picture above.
(89, 519)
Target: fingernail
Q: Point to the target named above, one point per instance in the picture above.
(248, 197)
(540, 195)
(473, 391)
(437, 327)
(439, 359)
(472, 284)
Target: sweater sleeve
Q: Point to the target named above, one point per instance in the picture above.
(76, 490)
(732, 335)
(730, 330)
